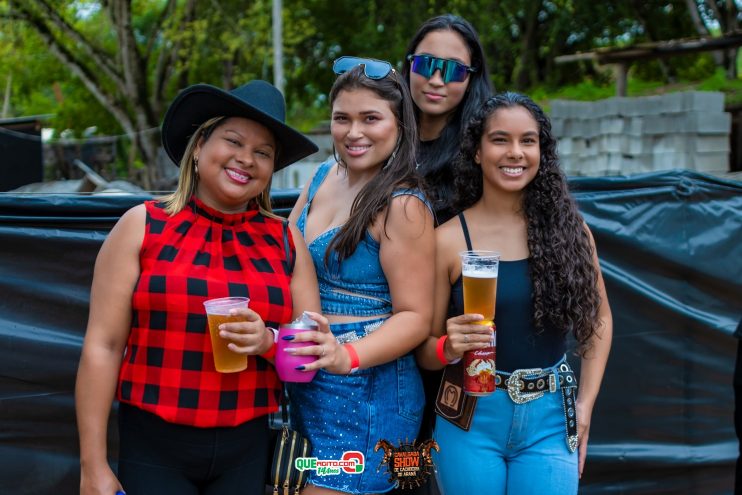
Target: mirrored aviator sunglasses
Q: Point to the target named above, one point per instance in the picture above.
(372, 68)
(451, 70)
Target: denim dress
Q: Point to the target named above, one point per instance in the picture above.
(342, 413)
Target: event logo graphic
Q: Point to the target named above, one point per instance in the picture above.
(409, 464)
(351, 462)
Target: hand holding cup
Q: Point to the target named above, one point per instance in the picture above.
(236, 332)
(331, 355)
(466, 333)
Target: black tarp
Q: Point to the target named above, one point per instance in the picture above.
(670, 246)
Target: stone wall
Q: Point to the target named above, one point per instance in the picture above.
(621, 136)
(616, 136)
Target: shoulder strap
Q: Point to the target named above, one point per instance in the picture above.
(319, 177)
(284, 405)
(414, 192)
(466, 231)
(287, 248)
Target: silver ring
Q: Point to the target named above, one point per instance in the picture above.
(466, 339)
(323, 350)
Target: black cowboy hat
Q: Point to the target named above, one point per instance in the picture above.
(257, 100)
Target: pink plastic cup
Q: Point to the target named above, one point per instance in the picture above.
(286, 363)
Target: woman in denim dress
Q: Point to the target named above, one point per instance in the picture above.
(370, 233)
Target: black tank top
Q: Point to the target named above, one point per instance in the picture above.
(519, 343)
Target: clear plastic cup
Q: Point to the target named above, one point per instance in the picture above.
(479, 274)
(217, 311)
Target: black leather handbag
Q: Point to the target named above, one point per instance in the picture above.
(290, 445)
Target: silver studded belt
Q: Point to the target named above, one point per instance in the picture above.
(525, 385)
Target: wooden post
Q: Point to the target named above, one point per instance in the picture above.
(6, 102)
(621, 70)
(278, 45)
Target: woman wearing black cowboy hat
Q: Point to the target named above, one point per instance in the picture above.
(184, 427)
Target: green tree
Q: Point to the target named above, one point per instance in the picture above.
(718, 16)
(126, 62)
(132, 56)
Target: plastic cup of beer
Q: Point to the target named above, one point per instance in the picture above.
(479, 272)
(217, 311)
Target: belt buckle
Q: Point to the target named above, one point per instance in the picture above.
(515, 385)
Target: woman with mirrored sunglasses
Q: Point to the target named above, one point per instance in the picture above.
(448, 79)
(370, 234)
(447, 74)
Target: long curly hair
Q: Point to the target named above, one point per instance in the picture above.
(397, 173)
(565, 291)
(436, 166)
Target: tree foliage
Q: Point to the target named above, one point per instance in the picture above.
(116, 64)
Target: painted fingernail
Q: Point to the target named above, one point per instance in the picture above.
(288, 337)
(300, 367)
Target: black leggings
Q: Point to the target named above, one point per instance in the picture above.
(157, 457)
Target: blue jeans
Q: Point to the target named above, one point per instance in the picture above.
(513, 449)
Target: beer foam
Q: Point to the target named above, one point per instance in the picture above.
(479, 273)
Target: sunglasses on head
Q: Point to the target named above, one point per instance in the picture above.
(451, 70)
(372, 68)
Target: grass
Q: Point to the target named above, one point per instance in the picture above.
(732, 89)
(592, 91)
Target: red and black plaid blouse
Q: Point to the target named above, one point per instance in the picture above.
(195, 255)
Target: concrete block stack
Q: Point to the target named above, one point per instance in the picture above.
(621, 136)
(299, 173)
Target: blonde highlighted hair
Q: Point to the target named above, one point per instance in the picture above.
(188, 178)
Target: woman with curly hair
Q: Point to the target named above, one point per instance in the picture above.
(514, 199)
